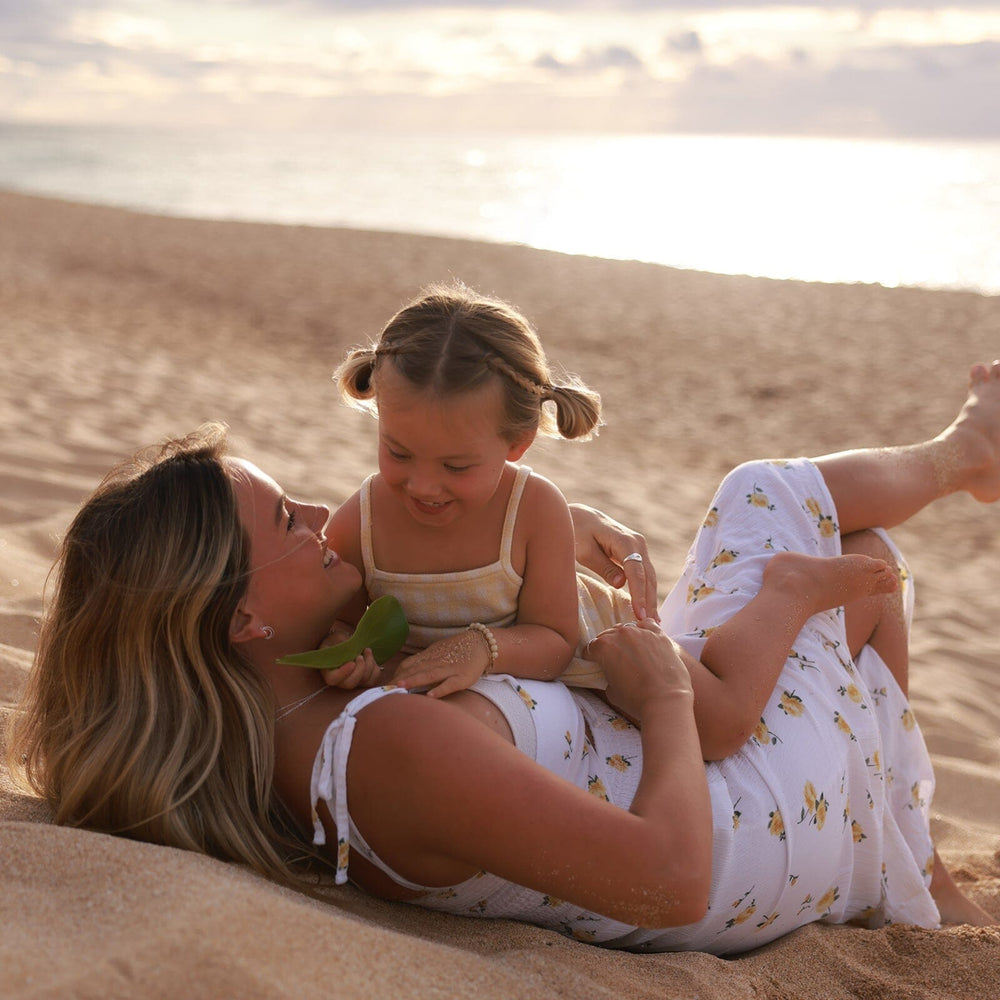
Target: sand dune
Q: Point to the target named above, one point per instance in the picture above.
(118, 329)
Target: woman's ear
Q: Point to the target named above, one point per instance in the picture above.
(243, 627)
(520, 446)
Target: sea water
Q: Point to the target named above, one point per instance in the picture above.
(893, 212)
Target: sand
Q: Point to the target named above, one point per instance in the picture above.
(118, 329)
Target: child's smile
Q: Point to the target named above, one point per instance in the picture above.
(441, 457)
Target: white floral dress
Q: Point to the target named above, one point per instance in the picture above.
(823, 815)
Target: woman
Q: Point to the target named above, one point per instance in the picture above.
(156, 710)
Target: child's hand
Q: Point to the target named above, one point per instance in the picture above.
(453, 664)
(360, 672)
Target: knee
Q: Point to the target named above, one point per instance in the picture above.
(868, 543)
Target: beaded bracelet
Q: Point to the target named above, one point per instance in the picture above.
(491, 643)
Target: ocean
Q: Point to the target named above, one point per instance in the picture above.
(834, 210)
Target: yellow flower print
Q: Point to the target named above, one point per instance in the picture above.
(827, 900)
(583, 935)
(743, 916)
(809, 793)
(479, 907)
(816, 806)
(526, 698)
(853, 692)
(802, 660)
(857, 832)
(791, 704)
(552, 901)
(767, 921)
(928, 870)
(761, 735)
(776, 825)
(619, 762)
(908, 720)
(445, 894)
(844, 726)
(827, 526)
(917, 801)
(697, 593)
(596, 787)
(343, 853)
(758, 498)
(568, 752)
(792, 879)
(711, 518)
(736, 814)
(618, 724)
(725, 557)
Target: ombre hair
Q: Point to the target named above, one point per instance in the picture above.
(451, 340)
(141, 717)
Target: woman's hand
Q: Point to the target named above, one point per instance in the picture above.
(602, 545)
(641, 664)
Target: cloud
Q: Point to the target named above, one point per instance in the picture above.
(944, 91)
(591, 60)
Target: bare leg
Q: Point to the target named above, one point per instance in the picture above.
(877, 620)
(875, 487)
(743, 657)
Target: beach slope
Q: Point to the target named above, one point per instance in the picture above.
(119, 329)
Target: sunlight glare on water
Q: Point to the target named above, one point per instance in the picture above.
(813, 209)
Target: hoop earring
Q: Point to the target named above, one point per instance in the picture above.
(267, 631)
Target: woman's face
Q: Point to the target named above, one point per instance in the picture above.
(297, 585)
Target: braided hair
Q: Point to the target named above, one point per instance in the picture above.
(451, 340)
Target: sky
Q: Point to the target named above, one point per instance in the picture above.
(909, 68)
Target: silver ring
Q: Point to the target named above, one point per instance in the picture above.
(632, 557)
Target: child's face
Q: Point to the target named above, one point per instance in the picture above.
(442, 457)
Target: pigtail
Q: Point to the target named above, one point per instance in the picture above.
(578, 409)
(354, 377)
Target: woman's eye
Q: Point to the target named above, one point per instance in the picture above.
(292, 516)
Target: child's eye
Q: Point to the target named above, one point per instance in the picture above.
(458, 468)
(292, 516)
(396, 456)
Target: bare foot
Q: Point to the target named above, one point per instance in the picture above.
(953, 905)
(818, 583)
(970, 458)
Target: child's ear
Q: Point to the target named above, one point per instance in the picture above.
(520, 446)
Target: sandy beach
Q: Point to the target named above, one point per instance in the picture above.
(119, 329)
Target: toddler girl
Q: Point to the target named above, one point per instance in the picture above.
(451, 525)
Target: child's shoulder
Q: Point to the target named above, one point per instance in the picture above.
(541, 499)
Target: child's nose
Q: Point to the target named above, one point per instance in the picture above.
(423, 483)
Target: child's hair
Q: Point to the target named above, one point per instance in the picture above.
(451, 340)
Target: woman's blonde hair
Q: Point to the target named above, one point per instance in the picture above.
(140, 717)
(451, 340)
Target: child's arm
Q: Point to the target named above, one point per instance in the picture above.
(742, 658)
(542, 641)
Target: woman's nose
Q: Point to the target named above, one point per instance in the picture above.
(319, 515)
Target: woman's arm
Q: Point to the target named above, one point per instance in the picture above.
(439, 810)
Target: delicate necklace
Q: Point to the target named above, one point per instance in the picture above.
(288, 709)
